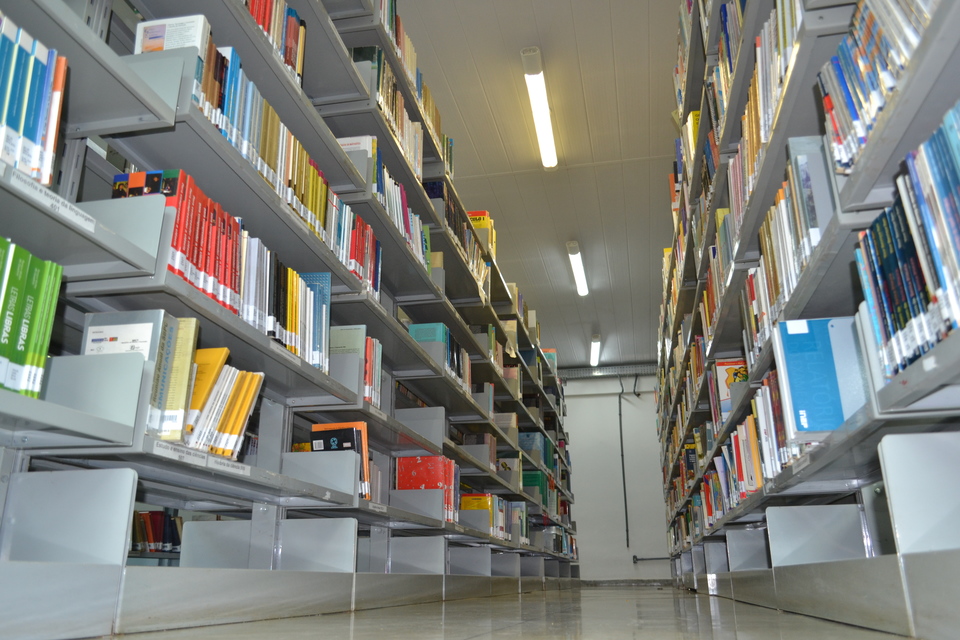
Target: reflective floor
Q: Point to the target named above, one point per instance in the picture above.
(649, 613)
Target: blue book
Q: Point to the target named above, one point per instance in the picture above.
(821, 376)
(319, 284)
(429, 332)
(38, 96)
(16, 107)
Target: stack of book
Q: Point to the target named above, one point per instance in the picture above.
(455, 359)
(29, 290)
(32, 80)
(211, 250)
(459, 224)
(384, 84)
(286, 31)
(909, 258)
(857, 82)
(231, 101)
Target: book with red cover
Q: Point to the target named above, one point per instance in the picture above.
(421, 472)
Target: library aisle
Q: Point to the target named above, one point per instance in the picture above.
(604, 613)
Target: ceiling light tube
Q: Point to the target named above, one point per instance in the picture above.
(576, 262)
(595, 350)
(537, 89)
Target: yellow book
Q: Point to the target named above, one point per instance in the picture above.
(178, 394)
(226, 416)
(754, 444)
(209, 364)
(288, 321)
(229, 421)
(241, 418)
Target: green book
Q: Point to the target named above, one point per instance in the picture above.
(39, 344)
(24, 325)
(15, 281)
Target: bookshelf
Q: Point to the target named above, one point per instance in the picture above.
(91, 422)
(835, 513)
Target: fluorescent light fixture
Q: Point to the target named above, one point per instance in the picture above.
(595, 350)
(537, 88)
(576, 261)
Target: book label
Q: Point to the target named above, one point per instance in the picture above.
(379, 508)
(181, 454)
(229, 466)
(55, 204)
(120, 338)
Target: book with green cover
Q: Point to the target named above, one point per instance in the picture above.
(15, 282)
(40, 344)
(25, 326)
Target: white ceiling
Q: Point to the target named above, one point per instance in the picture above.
(608, 66)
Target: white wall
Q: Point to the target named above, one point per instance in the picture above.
(592, 427)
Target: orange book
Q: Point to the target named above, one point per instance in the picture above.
(364, 450)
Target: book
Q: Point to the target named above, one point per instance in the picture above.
(363, 449)
(14, 292)
(208, 364)
(166, 34)
(151, 333)
(176, 406)
(820, 372)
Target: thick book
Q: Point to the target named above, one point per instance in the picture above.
(176, 406)
(13, 294)
(207, 363)
(152, 333)
(821, 377)
(364, 449)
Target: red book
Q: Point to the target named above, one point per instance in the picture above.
(421, 472)
(201, 232)
(450, 489)
(233, 289)
(220, 252)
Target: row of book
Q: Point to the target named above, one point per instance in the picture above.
(29, 291)
(909, 258)
(32, 81)
(231, 101)
(212, 251)
(357, 358)
(195, 396)
(773, 46)
(458, 221)
(156, 532)
(384, 86)
(487, 338)
(453, 358)
(390, 193)
(729, 46)
(856, 83)
(788, 236)
(814, 387)
(684, 44)
(286, 31)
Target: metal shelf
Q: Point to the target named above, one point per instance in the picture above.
(207, 480)
(368, 30)
(27, 423)
(402, 274)
(402, 355)
(384, 432)
(795, 115)
(53, 229)
(328, 72)
(287, 375)
(926, 89)
(197, 147)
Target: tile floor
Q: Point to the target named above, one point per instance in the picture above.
(597, 613)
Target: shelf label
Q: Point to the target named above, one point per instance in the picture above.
(459, 528)
(222, 464)
(54, 203)
(379, 508)
(289, 355)
(181, 454)
(930, 363)
(378, 414)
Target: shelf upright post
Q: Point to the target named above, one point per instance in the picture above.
(265, 536)
(379, 556)
(11, 461)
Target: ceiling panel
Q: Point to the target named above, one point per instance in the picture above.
(608, 66)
